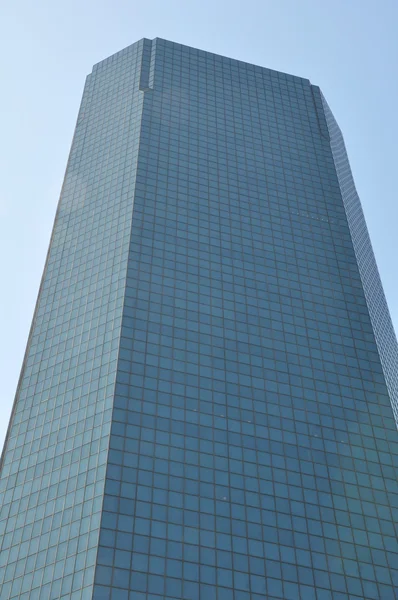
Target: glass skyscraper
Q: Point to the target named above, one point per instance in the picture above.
(206, 405)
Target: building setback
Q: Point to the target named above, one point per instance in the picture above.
(205, 408)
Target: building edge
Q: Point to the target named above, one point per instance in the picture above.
(383, 328)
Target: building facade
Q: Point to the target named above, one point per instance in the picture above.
(205, 409)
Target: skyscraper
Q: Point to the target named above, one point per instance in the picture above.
(205, 405)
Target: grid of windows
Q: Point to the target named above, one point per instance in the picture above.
(377, 305)
(54, 461)
(202, 410)
(253, 450)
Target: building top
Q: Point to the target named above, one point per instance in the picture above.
(203, 54)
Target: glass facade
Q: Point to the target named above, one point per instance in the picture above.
(204, 409)
(377, 305)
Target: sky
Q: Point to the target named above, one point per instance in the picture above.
(347, 47)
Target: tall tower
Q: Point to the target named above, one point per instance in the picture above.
(205, 405)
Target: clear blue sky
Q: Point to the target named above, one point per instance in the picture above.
(347, 47)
